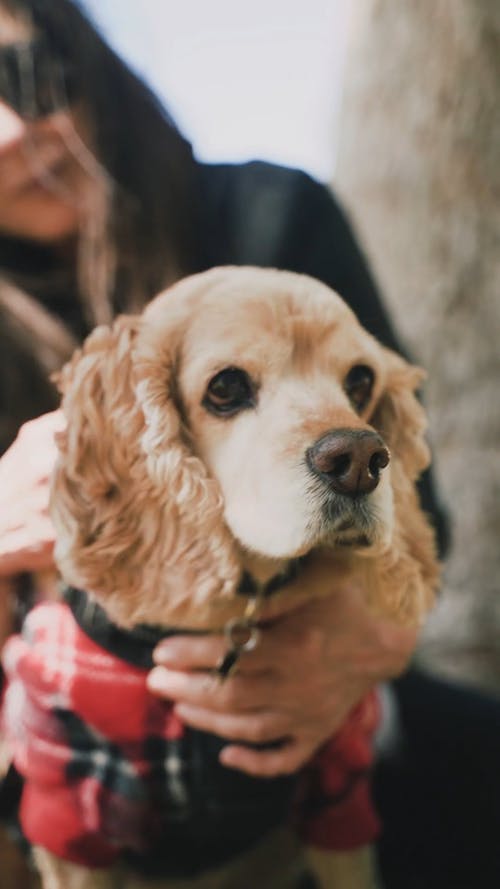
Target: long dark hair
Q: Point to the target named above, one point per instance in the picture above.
(151, 227)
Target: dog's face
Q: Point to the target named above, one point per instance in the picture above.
(245, 405)
(276, 382)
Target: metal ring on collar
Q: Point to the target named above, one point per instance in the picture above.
(242, 635)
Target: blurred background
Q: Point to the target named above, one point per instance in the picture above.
(242, 80)
(395, 104)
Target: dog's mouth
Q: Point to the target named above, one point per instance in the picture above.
(350, 523)
(348, 533)
(355, 539)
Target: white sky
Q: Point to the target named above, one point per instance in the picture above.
(242, 79)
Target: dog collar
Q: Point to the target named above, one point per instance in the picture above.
(136, 645)
(250, 587)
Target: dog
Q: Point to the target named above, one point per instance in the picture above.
(228, 455)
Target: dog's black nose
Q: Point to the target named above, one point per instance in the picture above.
(350, 460)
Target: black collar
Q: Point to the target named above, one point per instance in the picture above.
(248, 586)
(136, 646)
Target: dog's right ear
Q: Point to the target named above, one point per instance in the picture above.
(139, 522)
(92, 485)
(101, 410)
(203, 543)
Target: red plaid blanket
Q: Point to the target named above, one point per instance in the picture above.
(108, 767)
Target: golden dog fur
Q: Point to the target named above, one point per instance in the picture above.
(159, 504)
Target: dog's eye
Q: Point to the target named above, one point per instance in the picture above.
(358, 385)
(229, 392)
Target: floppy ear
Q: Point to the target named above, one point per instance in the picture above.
(409, 570)
(400, 418)
(139, 524)
(91, 482)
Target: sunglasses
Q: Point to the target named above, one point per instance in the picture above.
(35, 81)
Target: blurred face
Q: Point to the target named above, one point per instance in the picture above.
(48, 177)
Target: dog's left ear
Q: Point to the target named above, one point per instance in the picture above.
(399, 416)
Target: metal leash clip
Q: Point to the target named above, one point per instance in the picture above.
(242, 635)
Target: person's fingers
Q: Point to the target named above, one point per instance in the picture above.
(28, 531)
(17, 554)
(53, 421)
(254, 728)
(205, 652)
(275, 651)
(394, 645)
(26, 539)
(284, 760)
(35, 447)
(40, 432)
(190, 652)
(24, 510)
(236, 694)
(29, 506)
(18, 563)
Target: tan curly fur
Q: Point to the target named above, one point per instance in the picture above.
(139, 521)
(159, 505)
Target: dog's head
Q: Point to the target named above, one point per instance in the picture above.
(246, 411)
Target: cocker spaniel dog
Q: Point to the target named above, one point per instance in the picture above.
(229, 454)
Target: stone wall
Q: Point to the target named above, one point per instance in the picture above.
(419, 170)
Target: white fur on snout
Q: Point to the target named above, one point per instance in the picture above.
(277, 526)
(267, 503)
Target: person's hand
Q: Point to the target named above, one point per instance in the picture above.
(26, 532)
(308, 670)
